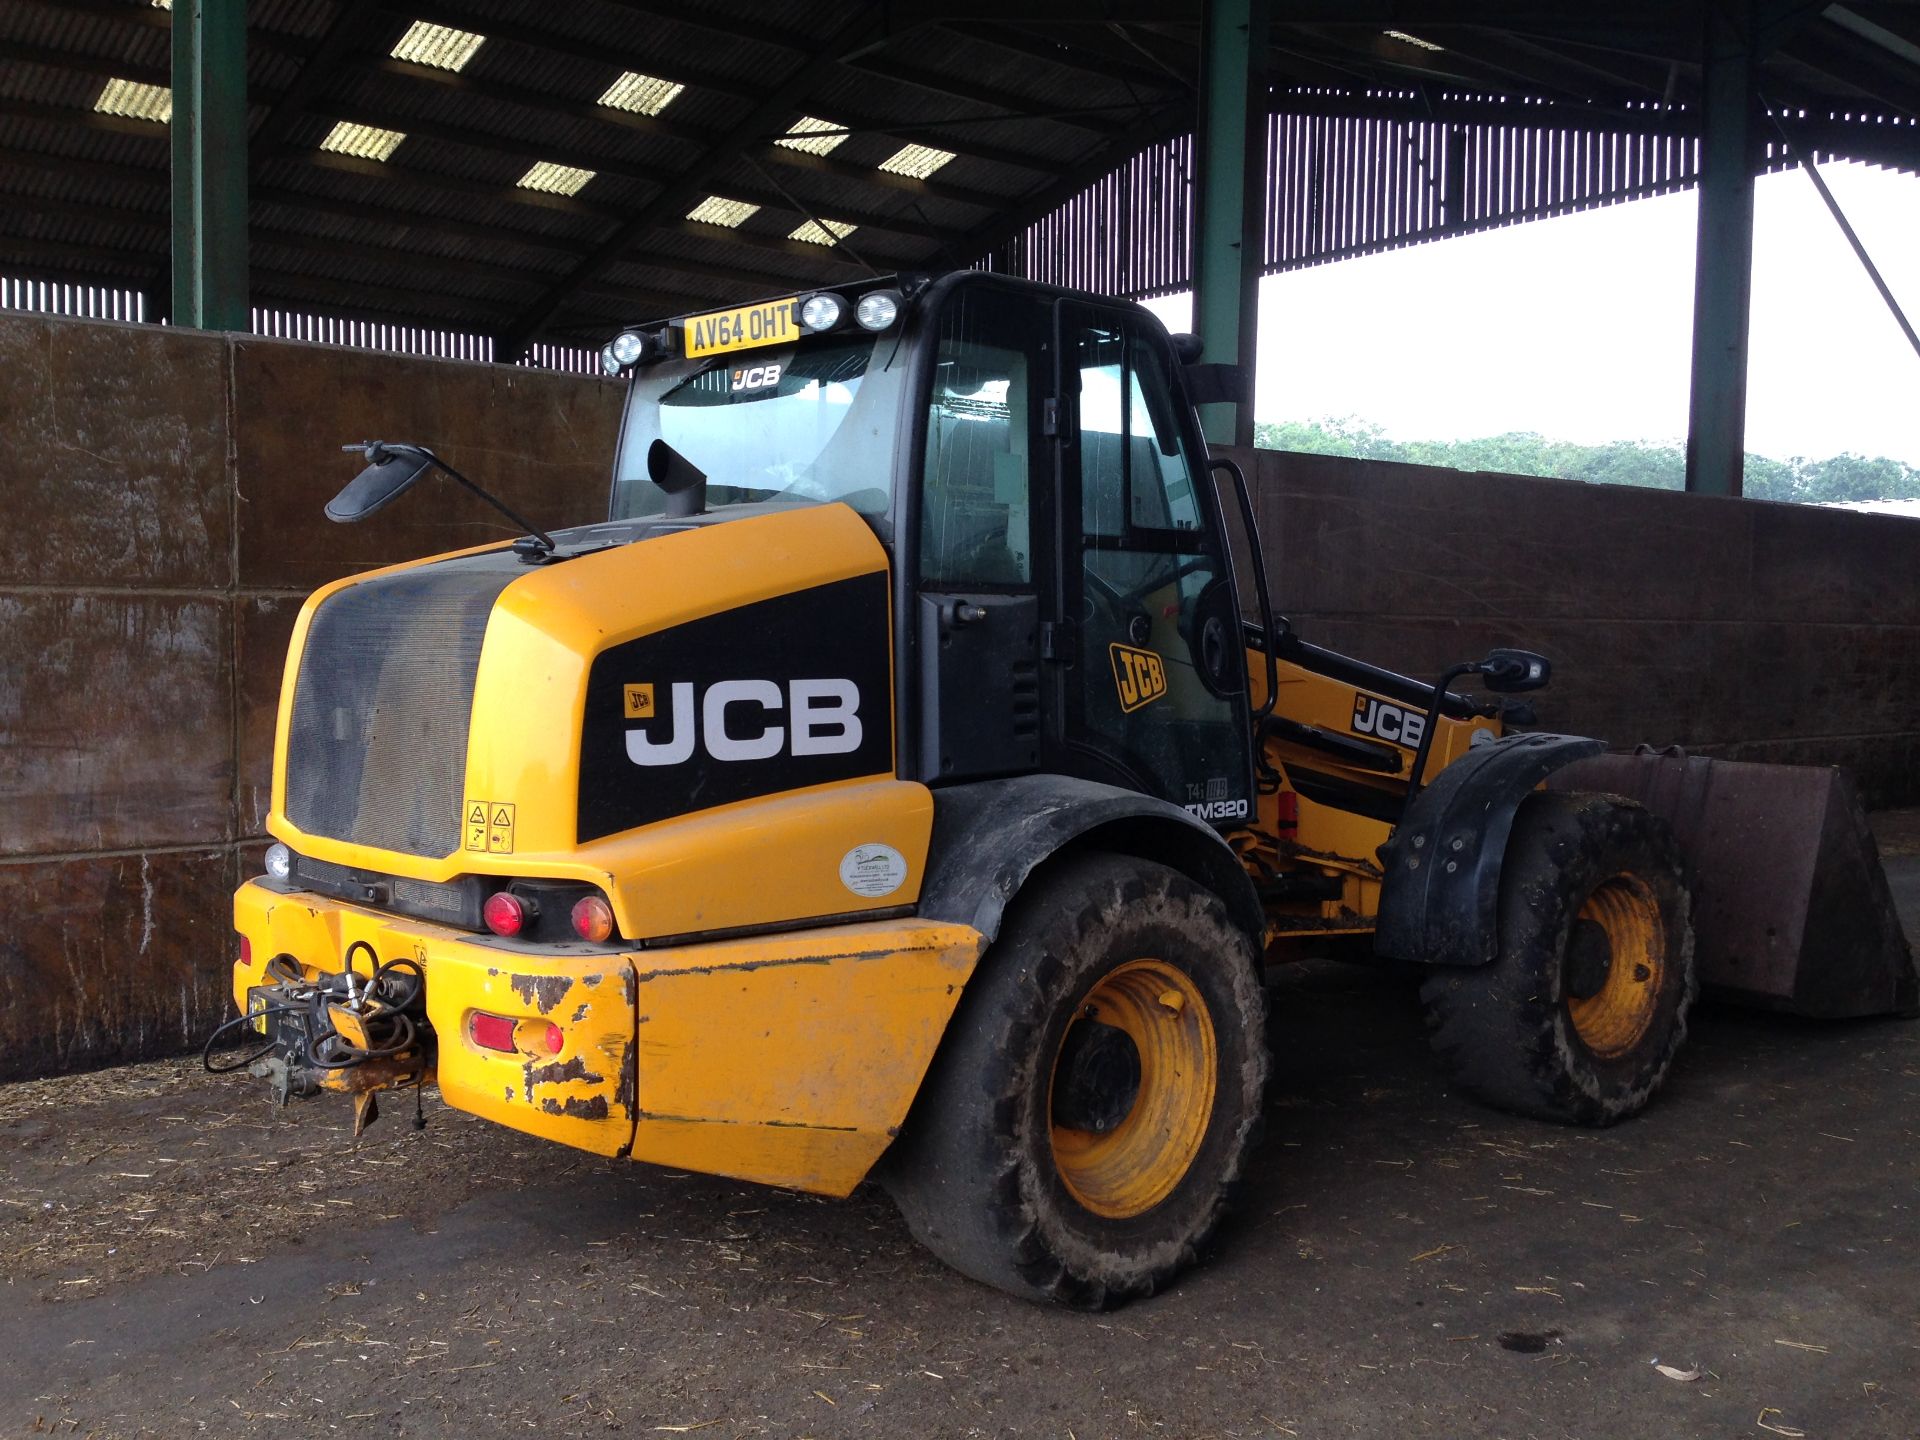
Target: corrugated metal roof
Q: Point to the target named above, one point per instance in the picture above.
(441, 230)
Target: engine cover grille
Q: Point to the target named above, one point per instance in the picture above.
(377, 745)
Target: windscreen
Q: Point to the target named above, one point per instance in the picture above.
(802, 424)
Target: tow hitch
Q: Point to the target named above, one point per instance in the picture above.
(344, 1032)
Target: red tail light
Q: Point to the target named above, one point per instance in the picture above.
(246, 951)
(555, 1038)
(504, 913)
(491, 1032)
(592, 918)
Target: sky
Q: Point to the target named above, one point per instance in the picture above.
(1578, 327)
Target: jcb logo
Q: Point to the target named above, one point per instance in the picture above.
(1389, 722)
(756, 377)
(734, 720)
(1140, 675)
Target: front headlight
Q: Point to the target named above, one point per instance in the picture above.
(609, 362)
(279, 861)
(628, 347)
(878, 310)
(822, 311)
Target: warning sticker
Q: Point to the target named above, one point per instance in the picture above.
(499, 829)
(489, 827)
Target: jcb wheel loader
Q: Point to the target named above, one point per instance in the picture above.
(891, 787)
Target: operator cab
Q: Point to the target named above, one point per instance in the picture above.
(1064, 600)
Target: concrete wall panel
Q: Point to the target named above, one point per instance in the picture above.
(1722, 625)
(1380, 539)
(542, 442)
(1812, 564)
(115, 721)
(112, 958)
(115, 446)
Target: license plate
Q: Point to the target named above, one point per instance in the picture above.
(771, 322)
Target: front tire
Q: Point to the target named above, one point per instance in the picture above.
(1581, 1014)
(1082, 1128)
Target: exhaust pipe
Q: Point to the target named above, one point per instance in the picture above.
(684, 481)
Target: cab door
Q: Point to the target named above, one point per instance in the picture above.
(984, 529)
(1153, 682)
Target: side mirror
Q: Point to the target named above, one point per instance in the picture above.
(379, 485)
(1508, 672)
(1215, 384)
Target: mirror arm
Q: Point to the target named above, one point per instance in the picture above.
(525, 524)
(1471, 667)
(378, 452)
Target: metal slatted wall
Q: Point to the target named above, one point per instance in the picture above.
(1129, 233)
(1342, 183)
(105, 302)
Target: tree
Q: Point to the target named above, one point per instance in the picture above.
(1622, 462)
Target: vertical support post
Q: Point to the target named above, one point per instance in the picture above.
(210, 164)
(1723, 257)
(1230, 166)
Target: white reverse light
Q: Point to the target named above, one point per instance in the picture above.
(878, 310)
(279, 861)
(822, 311)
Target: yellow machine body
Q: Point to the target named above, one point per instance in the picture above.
(679, 876)
(789, 1059)
(1294, 834)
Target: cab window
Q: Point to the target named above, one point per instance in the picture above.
(976, 518)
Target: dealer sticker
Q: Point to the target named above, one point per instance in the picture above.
(871, 871)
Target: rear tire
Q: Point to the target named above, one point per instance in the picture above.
(1093, 1102)
(1580, 1016)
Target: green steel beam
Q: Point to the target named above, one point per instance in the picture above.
(1230, 163)
(210, 164)
(1723, 255)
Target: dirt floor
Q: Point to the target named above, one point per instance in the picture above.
(181, 1259)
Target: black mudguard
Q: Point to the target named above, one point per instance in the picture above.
(1440, 898)
(990, 835)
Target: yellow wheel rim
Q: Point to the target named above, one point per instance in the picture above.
(1616, 1015)
(1127, 1168)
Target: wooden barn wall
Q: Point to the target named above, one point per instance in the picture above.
(164, 488)
(1743, 628)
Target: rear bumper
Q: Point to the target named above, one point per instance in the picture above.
(582, 1096)
(789, 1059)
